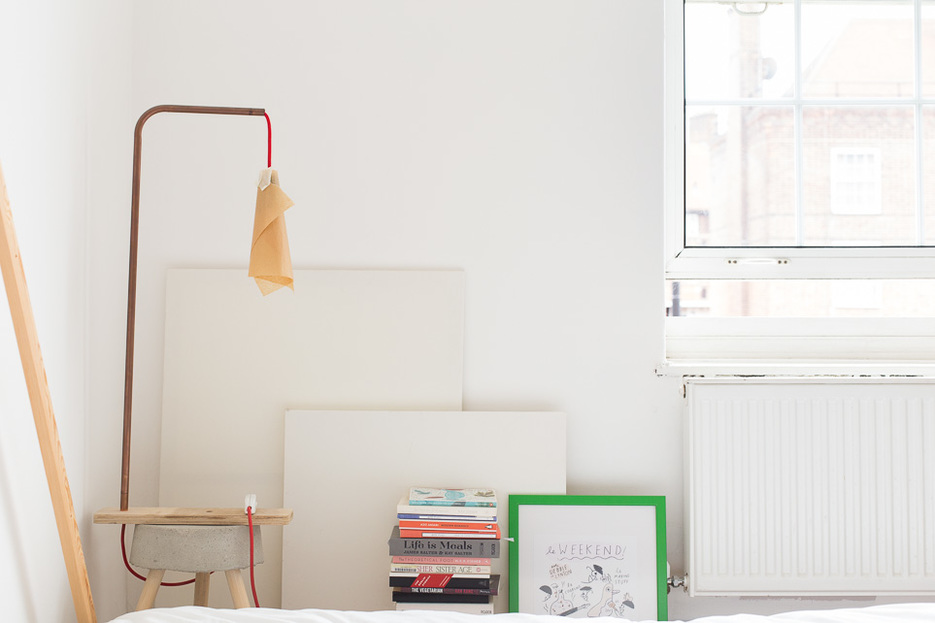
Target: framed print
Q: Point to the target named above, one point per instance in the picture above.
(586, 556)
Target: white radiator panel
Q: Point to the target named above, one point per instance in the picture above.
(811, 487)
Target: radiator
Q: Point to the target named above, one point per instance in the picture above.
(811, 487)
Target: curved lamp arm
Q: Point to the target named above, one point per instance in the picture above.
(134, 248)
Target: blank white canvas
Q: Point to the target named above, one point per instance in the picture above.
(235, 361)
(346, 471)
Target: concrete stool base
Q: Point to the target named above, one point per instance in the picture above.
(195, 549)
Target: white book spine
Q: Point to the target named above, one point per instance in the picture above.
(448, 607)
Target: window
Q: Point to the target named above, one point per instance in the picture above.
(855, 181)
(800, 153)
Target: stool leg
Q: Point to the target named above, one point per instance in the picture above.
(148, 596)
(238, 589)
(202, 584)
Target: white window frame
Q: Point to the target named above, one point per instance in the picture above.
(768, 338)
(759, 262)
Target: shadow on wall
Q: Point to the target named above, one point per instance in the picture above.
(16, 573)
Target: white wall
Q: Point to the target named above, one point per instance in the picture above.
(109, 151)
(518, 140)
(46, 53)
(41, 140)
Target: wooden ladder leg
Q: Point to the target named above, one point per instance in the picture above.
(202, 584)
(238, 588)
(150, 587)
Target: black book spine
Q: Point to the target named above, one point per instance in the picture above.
(446, 591)
(440, 598)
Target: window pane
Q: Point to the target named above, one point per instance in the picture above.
(811, 298)
(735, 50)
(858, 176)
(928, 179)
(739, 176)
(857, 49)
(928, 48)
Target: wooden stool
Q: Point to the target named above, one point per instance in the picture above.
(195, 549)
(194, 540)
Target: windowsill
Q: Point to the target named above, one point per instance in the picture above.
(797, 368)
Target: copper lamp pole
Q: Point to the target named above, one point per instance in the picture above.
(134, 248)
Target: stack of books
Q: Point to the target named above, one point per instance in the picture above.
(442, 550)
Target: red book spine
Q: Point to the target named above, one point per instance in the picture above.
(431, 580)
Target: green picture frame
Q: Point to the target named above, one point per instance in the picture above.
(588, 555)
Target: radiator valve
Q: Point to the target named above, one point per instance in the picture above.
(676, 582)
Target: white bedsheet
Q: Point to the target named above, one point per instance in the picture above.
(898, 613)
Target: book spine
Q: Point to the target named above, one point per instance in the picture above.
(440, 560)
(452, 497)
(461, 569)
(482, 608)
(440, 597)
(468, 516)
(446, 590)
(446, 525)
(417, 533)
(470, 548)
(426, 580)
(474, 547)
(438, 503)
(486, 512)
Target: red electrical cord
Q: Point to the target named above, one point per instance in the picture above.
(256, 602)
(269, 142)
(126, 561)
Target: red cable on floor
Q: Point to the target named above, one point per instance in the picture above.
(256, 602)
(126, 561)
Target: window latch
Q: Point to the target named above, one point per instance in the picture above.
(761, 261)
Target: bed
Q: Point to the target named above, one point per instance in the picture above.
(898, 613)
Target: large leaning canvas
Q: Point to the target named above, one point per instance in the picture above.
(235, 361)
(345, 472)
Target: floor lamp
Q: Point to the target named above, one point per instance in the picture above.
(270, 266)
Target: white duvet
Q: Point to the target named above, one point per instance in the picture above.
(898, 613)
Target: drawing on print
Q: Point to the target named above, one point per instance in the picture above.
(586, 580)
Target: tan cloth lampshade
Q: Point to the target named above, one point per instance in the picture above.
(270, 263)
